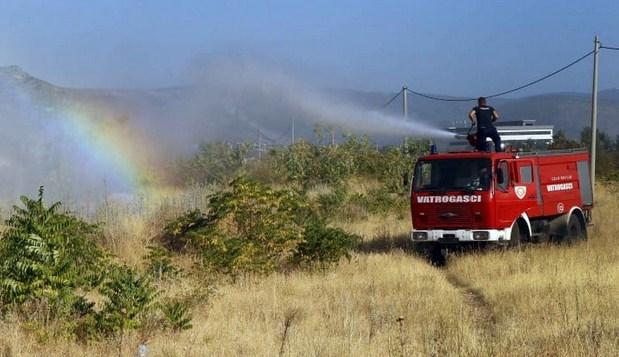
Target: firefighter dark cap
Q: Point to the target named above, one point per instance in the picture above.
(481, 100)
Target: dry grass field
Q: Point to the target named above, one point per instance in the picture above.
(385, 301)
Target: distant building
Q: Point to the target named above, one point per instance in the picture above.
(524, 134)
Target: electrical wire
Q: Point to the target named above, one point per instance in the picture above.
(610, 48)
(510, 90)
(391, 100)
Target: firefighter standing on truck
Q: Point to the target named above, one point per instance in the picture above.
(484, 116)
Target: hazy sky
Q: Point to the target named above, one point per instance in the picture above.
(452, 47)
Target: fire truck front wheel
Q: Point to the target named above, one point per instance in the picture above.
(518, 235)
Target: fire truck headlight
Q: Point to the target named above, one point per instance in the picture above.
(420, 235)
(481, 235)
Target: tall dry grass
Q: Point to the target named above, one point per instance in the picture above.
(385, 301)
(129, 225)
(554, 300)
(374, 305)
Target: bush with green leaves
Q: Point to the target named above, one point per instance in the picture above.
(129, 298)
(323, 244)
(47, 256)
(177, 315)
(182, 234)
(159, 263)
(330, 202)
(215, 162)
(252, 227)
(249, 227)
(380, 201)
(306, 165)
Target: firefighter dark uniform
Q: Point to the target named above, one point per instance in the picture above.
(485, 117)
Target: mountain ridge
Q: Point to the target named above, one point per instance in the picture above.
(567, 111)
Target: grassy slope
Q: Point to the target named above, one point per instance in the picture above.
(544, 300)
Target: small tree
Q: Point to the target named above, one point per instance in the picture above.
(215, 162)
(250, 227)
(129, 296)
(159, 263)
(324, 245)
(177, 315)
(46, 255)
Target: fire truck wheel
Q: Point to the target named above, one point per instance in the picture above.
(438, 255)
(517, 238)
(575, 230)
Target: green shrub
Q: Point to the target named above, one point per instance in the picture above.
(304, 164)
(177, 315)
(215, 162)
(129, 299)
(249, 227)
(329, 202)
(46, 256)
(297, 163)
(323, 244)
(183, 233)
(159, 264)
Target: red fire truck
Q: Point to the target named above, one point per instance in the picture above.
(501, 197)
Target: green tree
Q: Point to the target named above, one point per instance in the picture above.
(249, 227)
(323, 244)
(561, 141)
(215, 162)
(607, 158)
(129, 298)
(46, 255)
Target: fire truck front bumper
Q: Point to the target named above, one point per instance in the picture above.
(460, 235)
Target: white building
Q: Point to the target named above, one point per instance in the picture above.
(517, 134)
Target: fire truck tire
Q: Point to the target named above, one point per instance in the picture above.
(517, 237)
(575, 230)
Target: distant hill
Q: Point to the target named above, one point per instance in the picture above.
(220, 118)
(570, 112)
(81, 142)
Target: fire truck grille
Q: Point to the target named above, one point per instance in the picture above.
(452, 215)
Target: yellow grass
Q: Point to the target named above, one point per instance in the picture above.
(543, 300)
(554, 300)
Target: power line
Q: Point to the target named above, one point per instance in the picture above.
(544, 77)
(427, 96)
(610, 48)
(510, 90)
(391, 100)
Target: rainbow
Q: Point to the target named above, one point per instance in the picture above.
(106, 142)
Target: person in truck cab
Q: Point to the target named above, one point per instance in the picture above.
(480, 179)
(484, 116)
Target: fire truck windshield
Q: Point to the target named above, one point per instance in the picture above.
(452, 174)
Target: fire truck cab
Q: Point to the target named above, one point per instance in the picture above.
(501, 197)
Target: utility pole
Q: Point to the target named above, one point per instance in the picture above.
(594, 112)
(292, 133)
(405, 101)
(259, 145)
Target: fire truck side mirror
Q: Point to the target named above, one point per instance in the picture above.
(502, 176)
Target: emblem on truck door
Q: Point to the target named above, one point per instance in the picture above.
(521, 191)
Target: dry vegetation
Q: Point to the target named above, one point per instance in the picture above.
(542, 300)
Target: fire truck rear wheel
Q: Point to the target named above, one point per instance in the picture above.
(575, 230)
